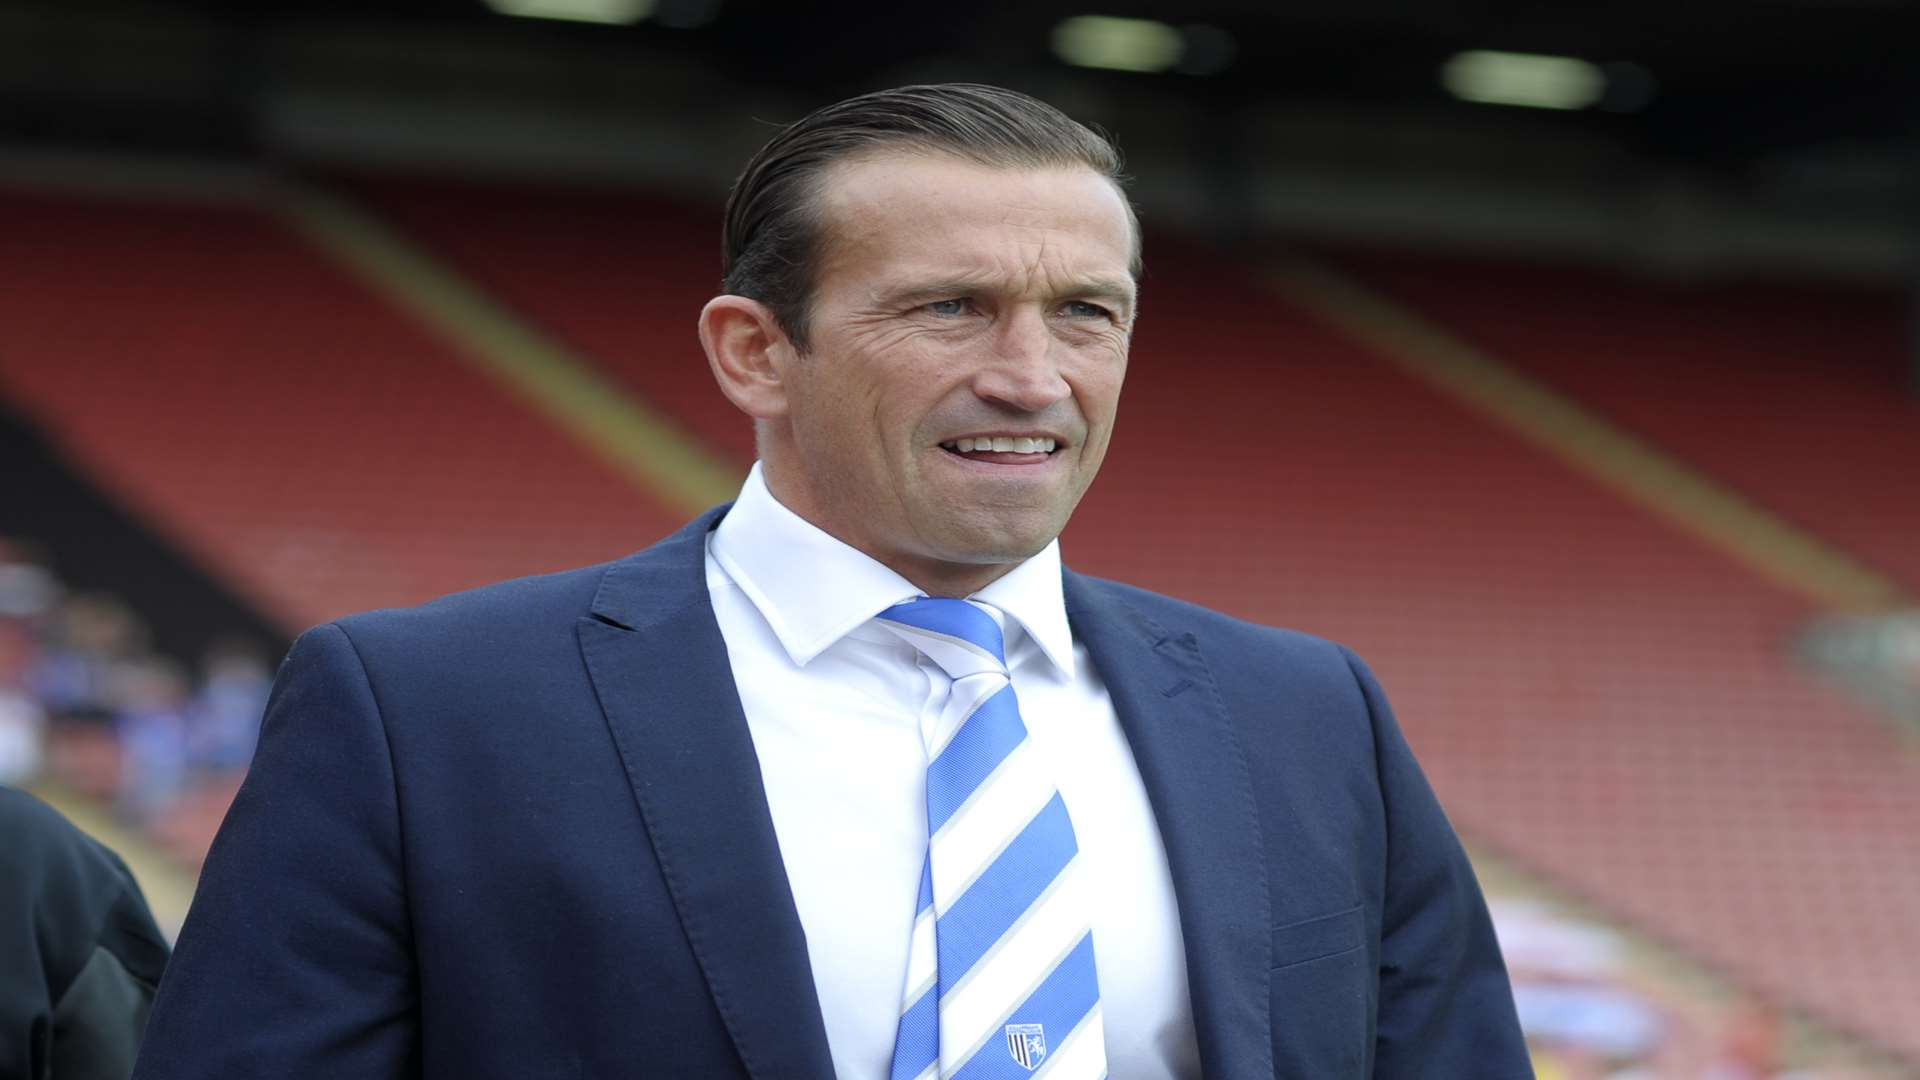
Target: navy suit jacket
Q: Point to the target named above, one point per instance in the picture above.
(520, 832)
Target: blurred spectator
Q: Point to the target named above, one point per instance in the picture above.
(91, 639)
(27, 593)
(226, 712)
(84, 697)
(22, 736)
(151, 716)
(27, 589)
(80, 955)
(1590, 1013)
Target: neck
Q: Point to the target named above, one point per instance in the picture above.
(935, 578)
(931, 575)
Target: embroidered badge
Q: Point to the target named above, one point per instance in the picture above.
(1028, 1044)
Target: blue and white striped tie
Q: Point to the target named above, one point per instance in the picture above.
(1000, 975)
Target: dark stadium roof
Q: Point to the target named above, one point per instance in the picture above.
(1731, 76)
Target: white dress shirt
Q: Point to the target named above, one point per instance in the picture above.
(834, 706)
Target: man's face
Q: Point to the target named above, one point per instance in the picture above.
(957, 307)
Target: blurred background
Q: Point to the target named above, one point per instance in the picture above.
(1562, 359)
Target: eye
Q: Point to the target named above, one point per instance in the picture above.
(1081, 309)
(957, 306)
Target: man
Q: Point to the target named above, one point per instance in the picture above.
(771, 799)
(79, 952)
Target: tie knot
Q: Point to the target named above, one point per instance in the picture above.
(959, 635)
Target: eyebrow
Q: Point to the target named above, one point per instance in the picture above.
(1118, 291)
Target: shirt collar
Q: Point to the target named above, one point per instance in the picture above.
(813, 589)
(1031, 596)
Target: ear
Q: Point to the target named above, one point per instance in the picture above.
(749, 354)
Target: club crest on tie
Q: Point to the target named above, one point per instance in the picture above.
(1028, 1044)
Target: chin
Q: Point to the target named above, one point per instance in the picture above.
(981, 547)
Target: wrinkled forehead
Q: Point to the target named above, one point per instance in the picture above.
(899, 211)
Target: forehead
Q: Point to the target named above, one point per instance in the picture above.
(904, 214)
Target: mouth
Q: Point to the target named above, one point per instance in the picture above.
(1003, 449)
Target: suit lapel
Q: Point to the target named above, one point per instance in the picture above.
(659, 665)
(1197, 778)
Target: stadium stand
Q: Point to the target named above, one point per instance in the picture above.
(620, 278)
(281, 422)
(1798, 396)
(1595, 693)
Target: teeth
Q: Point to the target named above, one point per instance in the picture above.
(1002, 444)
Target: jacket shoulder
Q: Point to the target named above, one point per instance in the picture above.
(71, 894)
(532, 608)
(41, 840)
(502, 609)
(1176, 617)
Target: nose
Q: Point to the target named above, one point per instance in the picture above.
(1021, 370)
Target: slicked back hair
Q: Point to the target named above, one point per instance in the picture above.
(773, 238)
